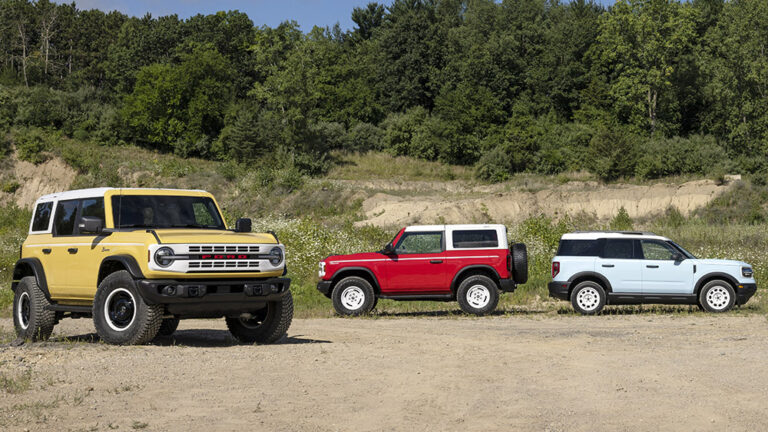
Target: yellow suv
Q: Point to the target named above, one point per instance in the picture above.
(139, 260)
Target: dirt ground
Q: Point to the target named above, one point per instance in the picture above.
(502, 373)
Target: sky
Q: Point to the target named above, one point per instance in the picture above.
(307, 13)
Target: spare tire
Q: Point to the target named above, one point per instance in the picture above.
(519, 263)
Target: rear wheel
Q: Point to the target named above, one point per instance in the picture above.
(353, 296)
(267, 325)
(30, 317)
(717, 296)
(588, 298)
(120, 315)
(478, 295)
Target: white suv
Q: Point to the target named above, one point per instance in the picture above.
(593, 269)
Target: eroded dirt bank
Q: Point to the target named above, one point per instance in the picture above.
(633, 372)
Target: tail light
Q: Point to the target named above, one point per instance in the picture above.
(555, 268)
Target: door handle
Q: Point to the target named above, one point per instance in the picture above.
(435, 261)
(46, 251)
(608, 265)
(72, 250)
(652, 266)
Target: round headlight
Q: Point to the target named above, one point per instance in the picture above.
(161, 256)
(275, 256)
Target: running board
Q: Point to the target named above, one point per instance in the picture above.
(416, 297)
(67, 308)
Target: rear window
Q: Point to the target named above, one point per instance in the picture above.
(475, 239)
(583, 248)
(42, 216)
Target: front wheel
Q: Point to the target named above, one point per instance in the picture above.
(478, 295)
(267, 325)
(717, 296)
(588, 298)
(120, 315)
(31, 318)
(353, 296)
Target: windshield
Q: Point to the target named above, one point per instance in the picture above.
(150, 211)
(682, 250)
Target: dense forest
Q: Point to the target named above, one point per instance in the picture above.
(644, 88)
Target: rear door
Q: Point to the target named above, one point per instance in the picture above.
(661, 273)
(418, 264)
(618, 263)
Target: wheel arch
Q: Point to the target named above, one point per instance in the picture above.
(589, 276)
(362, 272)
(116, 263)
(709, 277)
(470, 270)
(30, 267)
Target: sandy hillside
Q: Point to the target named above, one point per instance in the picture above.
(452, 202)
(639, 372)
(53, 175)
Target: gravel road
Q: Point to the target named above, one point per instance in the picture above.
(558, 373)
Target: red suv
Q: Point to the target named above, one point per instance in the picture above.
(472, 264)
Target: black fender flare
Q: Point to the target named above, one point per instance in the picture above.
(340, 272)
(457, 277)
(126, 261)
(715, 275)
(24, 267)
(591, 275)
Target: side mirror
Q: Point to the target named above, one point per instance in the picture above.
(388, 249)
(91, 225)
(677, 257)
(243, 225)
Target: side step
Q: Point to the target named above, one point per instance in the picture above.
(68, 308)
(416, 297)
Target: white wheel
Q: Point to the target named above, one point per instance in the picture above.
(718, 298)
(120, 309)
(23, 309)
(588, 299)
(353, 297)
(478, 296)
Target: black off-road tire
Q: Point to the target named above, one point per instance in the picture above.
(133, 321)
(168, 326)
(519, 263)
(588, 298)
(717, 296)
(478, 295)
(29, 307)
(269, 324)
(353, 296)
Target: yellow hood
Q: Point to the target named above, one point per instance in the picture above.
(212, 236)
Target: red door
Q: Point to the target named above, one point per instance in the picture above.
(418, 264)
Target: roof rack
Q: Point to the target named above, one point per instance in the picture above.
(618, 232)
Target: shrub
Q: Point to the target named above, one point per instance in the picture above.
(399, 129)
(742, 203)
(494, 166)
(613, 153)
(364, 137)
(698, 154)
(31, 145)
(622, 221)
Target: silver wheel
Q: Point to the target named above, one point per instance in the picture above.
(353, 297)
(478, 296)
(23, 310)
(120, 309)
(588, 299)
(718, 297)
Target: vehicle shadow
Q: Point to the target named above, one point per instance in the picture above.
(620, 310)
(458, 313)
(201, 338)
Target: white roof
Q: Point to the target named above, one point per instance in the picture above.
(593, 235)
(427, 228)
(96, 192)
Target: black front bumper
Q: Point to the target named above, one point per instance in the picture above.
(325, 287)
(559, 289)
(212, 297)
(744, 292)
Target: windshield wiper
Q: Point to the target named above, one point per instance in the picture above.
(135, 226)
(192, 226)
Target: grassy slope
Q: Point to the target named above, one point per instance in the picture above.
(314, 218)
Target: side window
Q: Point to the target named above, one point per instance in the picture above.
(619, 248)
(64, 220)
(656, 250)
(93, 207)
(583, 248)
(420, 243)
(42, 216)
(475, 239)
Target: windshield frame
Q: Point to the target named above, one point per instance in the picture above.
(209, 204)
(682, 250)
